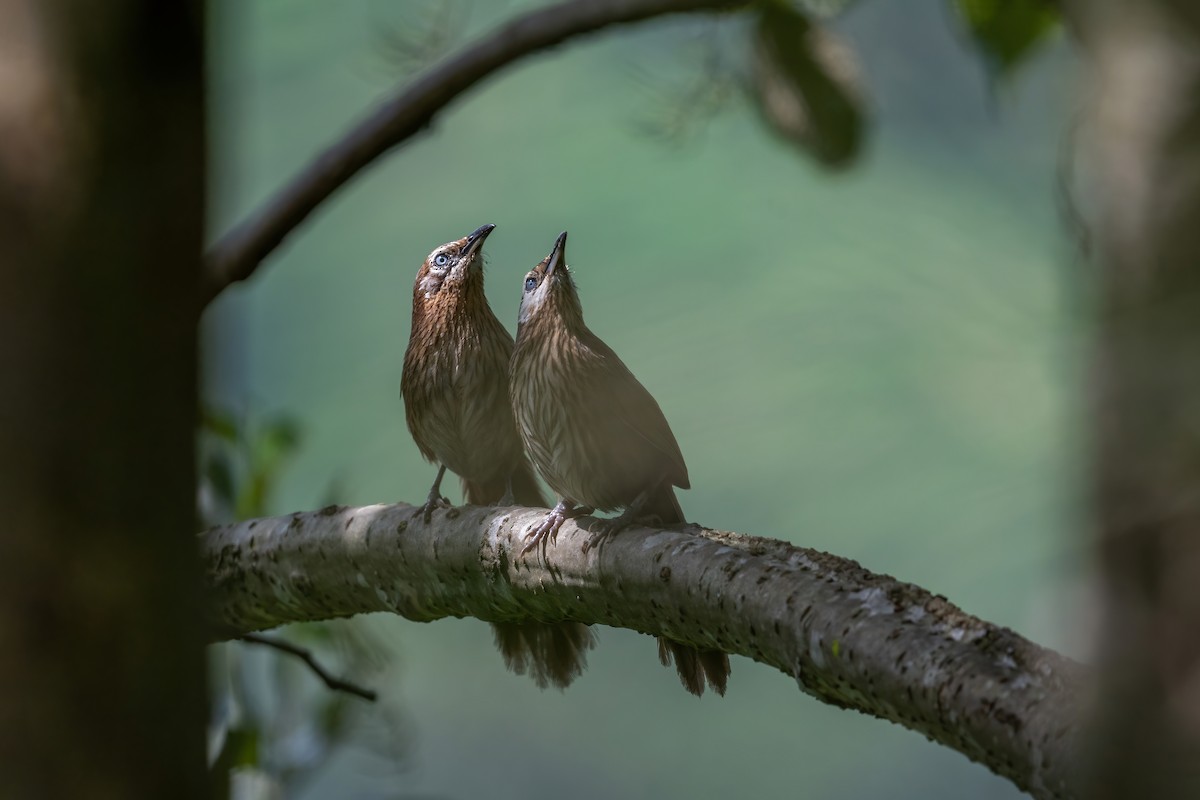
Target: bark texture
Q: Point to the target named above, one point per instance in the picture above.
(850, 638)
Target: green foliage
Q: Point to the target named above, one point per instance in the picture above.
(806, 85)
(1007, 30)
(239, 750)
(264, 746)
(240, 463)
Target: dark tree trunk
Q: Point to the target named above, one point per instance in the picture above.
(1145, 55)
(101, 215)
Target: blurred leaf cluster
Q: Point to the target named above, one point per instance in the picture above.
(240, 461)
(806, 82)
(1007, 31)
(807, 85)
(274, 726)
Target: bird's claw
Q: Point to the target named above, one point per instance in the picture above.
(596, 539)
(432, 503)
(602, 531)
(545, 530)
(605, 529)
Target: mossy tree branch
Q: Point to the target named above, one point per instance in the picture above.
(849, 637)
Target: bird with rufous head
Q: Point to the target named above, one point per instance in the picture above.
(456, 403)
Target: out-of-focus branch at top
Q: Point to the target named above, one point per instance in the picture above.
(239, 252)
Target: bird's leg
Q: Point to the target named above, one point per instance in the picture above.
(547, 529)
(607, 528)
(508, 499)
(435, 499)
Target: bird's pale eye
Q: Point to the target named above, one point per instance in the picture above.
(441, 260)
(530, 283)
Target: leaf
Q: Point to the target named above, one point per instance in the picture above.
(332, 717)
(806, 85)
(252, 499)
(219, 474)
(220, 423)
(243, 744)
(276, 441)
(240, 750)
(1007, 30)
(279, 437)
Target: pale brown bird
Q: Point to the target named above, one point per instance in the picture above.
(595, 434)
(456, 401)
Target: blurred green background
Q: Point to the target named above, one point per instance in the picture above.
(879, 363)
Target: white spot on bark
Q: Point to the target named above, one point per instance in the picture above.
(653, 540)
(914, 614)
(362, 579)
(874, 600)
(801, 560)
(814, 650)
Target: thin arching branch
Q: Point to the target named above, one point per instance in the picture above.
(238, 254)
(849, 637)
(331, 681)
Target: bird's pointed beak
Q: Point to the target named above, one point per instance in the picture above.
(475, 240)
(558, 255)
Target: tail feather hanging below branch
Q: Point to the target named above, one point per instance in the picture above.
(552, 653)
(695, 666)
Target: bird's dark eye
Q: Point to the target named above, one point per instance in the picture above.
(530, 283)
(441, 260)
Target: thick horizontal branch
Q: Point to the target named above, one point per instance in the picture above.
(849, 637)
(239, 253)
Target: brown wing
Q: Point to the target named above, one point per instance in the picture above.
(633, 407)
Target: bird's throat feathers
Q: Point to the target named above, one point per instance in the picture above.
(555, 298)
(454, 309)
(556, 323)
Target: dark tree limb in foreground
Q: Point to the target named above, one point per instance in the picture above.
(239, 253)
(101, 226)
(850, 638)
(1145, 479)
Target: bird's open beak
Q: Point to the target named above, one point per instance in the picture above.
(475, 240)
(558, 254)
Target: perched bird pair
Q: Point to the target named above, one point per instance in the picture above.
(476, 403)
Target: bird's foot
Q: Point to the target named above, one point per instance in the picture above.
(546, 531)
(607, 528)
(603, 530)
(432, 503)
(435, 499)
